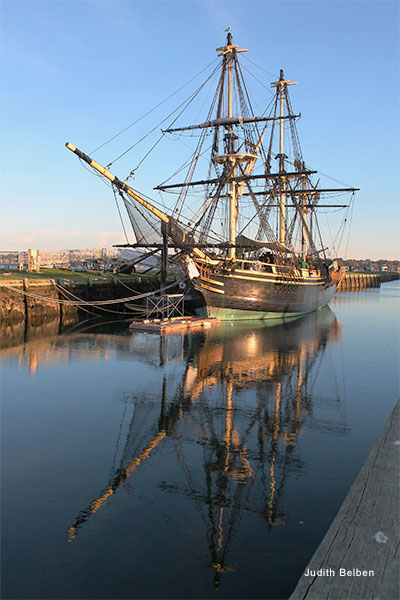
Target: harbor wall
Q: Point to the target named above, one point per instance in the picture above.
(389, 276)
(21, 305)
(355, 281)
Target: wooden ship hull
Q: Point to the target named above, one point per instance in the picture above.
(239, 293)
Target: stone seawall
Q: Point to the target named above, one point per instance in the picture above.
(19, 305)
(389, 276)
(355, 281)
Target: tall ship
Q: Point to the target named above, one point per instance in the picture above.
(244, 220)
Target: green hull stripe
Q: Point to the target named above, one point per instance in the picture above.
(229, 314)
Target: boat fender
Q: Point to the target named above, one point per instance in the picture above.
(192, 270)
(182, 285)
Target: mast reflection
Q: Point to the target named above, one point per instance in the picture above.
(233, 417)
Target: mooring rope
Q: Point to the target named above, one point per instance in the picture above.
(65, 292)
(85, 302)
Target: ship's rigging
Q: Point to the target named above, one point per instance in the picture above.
(255, 193)
(239, 149)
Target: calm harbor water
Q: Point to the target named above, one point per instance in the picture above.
(201, 465)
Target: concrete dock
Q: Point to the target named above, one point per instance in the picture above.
(364, 536)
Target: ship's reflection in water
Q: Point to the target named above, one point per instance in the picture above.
(199, 465)
(233, 401)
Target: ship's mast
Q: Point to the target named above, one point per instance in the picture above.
(232, 186)
(303, 222)
(281, 91)
(228, 52)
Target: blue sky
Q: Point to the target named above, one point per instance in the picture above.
(80, 71)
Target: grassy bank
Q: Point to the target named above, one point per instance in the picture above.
(69, 274)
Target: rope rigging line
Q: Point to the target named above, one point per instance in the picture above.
(298, 156)
(153, 109)
(185, 164)
(350, 219)
(339, 235)
(162, 135)
(95, 173)
(320, 238)
(198, 152)
(261, 68)
(330, 177)
(240, 76)
(119, 211)
(256, 78)
(185, 104)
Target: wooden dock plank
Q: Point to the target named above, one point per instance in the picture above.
(173, 324)
(371, 506)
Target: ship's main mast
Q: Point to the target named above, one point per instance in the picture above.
(231, 158)
(281, 91)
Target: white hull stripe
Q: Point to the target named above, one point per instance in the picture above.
(286, 281)
(207, 287)
(212, 281)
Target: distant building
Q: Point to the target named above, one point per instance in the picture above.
(62, 259)
(33, 260)
(54, 259)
